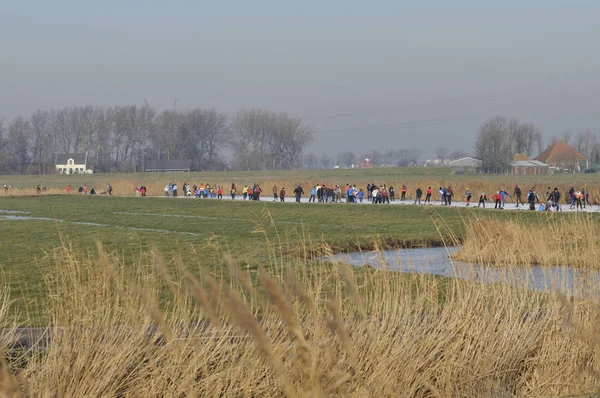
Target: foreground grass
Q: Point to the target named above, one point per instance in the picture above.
(297, 328)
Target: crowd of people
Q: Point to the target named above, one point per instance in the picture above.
(382, 194)
(575, 198)
(83, 189)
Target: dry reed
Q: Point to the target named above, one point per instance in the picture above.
(307, 329)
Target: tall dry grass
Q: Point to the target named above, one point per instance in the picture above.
(560, 239)
(298, 327)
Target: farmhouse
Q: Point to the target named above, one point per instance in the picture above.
(528, 167)
(72, 163)
(561, 156)
(168, 166)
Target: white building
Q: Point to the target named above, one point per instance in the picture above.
(466, 163)
(72, 163)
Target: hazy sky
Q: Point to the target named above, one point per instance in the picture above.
(364, 74)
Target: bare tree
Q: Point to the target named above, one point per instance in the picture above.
(205, 133)
(325, 161)
(457, 154)
(19, 132)
(266, 140)
(493, 145)
(346, 159)
(41, 140)
(524, 137)
(311, 161)
(586, 141)
(442, 154)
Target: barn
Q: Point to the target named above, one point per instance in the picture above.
(528, 167)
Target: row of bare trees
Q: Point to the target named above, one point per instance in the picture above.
(124, 138)
(499, 139)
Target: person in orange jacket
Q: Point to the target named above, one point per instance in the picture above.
(428, 197)
(498, 198)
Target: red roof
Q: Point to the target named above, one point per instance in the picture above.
(560, 152)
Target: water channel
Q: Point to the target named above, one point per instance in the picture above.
(436, 261)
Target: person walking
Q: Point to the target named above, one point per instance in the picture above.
(532, 197)
(468, 194)
(175, 190)
(449, 194)
(256, 191)
(428, 196)
(556, 199)
(361, 195)
(143, 190)
(245, 192)
(504, 194)
(418, 195)
(384, 195)
(233, 191)
(578, 200)
(482, 200)
(275, 192)
(219, 193)
(403, 197)
(282, 194)
(498, 200)
(298, 192)
(517, 193)
(392, 194)
(442, 196)
(374, 195)
(313, 194)
(571, 198)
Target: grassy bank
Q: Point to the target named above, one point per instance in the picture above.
(301, 329)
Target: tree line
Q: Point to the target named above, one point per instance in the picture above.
(124, 138)
(500, 138)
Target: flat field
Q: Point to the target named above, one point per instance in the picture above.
(200, 231)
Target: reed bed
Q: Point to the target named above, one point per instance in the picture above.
(299, 327)
(555, 240)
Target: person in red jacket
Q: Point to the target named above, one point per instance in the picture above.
(282, 194)
(219, 192)
(498, 198)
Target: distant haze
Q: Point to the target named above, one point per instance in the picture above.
(365, 75)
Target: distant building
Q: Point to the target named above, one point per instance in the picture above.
(560, 155)
(167, 166)
(72, 163)
(465, 163)
(528, 167)
(435, 162)
(520, 156)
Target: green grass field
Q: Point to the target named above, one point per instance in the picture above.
(199, 232)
